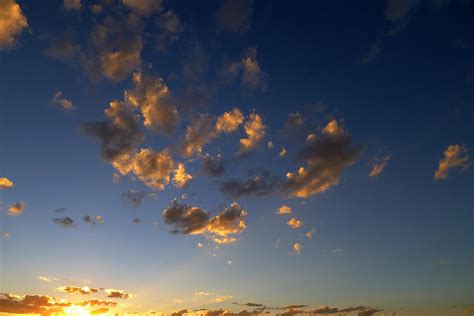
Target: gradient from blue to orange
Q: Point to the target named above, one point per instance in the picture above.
(402, 242)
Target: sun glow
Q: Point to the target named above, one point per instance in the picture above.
(76, 311)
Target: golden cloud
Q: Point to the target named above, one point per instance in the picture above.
(16, 208)
(12, 23)
(295, 223)
(255, 130)
(5, 183)
(455, 157)
(284, 209)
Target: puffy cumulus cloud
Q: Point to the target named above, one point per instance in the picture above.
(297, 248)
(12, 23)
(16, 208)
(112, 293)
(150, 167)
(378, 166)
(133, 198)
(180, 177)
(326, 157)
(72, 4)
(64, 103)
(295, 223)
(186, 219)
(204, 128)
(284, 209)
(255, 130)
(260, 185)
(85, 290)
(116, 45)
(193, 220)
(151, 96)
(248, 69)
(143, 7)
(213, 165)
(65, 221)
(5, 183)
(455, 157)
(168, 30)
(235, 15)
(119, 135)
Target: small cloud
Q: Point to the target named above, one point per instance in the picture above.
(444, 262)
(16, 208)
(270, 145)
(378, 166)
(180, 177)
(60, 210)
(6, 183)
(137, 220)
(224, 298)
(282, 153)
(84, 290)
(62, 102)
(229, 262)
(133, 198)
(64, 221)
(213, 165)
(44, 278)
(284, 209)
(295, 223)
(310, 234)
(4, 235)
(337, 250)
(89, 220)
(297, 248)
(178, 300)
(203, 293)
(111, 293)
(99, 219)
(200, 245)
(455, 157)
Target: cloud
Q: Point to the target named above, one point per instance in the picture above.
(378, 166)
(326, 157)
(297, 248)
(294, 306)
(204, 128)
(143, 7)
(248, 69)
(397, 10)
(119, 135)
(12, 23)
(62, 102)
(150, 167)
(62, 48)
(191, 220)
(294, 123)
(325, 309)
(72, 4)
(260, 185)
(255, 130)
(85, 290)
(282, 152)
(295, 223)
(89, 220)
(284, 209)
(151, 96)
(16, 208)
(99, 311)
(5, 183)
(133, 197)
(111, 293)
(369, 312)
(99, 219)
(373, 52)
(235, 15)
(137, 220)
(64, 221)
(310, 234)
(180, 177)
(4, 235)
(455, 157)
(213, 165)
(224, 298)
(169, 27)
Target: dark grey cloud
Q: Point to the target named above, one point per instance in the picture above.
(260, 185)
(65, 221)
(186, 219)
(89, 220)
(137, 220)
(213, 165)
(235, 15)
(60, 210)
(133, 197)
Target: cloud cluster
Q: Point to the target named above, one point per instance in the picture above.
(326, 156)
(84, 290)
(192, 220)
(12, 23)
(455, 157)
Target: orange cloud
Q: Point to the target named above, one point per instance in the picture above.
(455, 157)
(16, 208)
(12, 23)
(295, 223)
(5, 183)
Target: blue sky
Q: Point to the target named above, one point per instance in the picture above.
(179, 128)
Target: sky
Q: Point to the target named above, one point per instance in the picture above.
(236, 157)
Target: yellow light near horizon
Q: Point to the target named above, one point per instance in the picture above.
(77, 311)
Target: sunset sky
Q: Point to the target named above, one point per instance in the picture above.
(236, 157)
